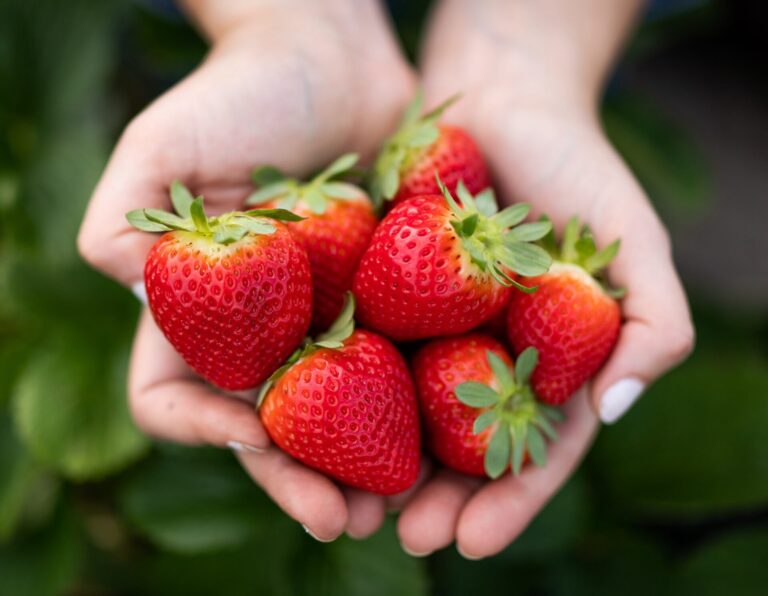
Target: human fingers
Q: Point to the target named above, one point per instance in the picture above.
(428, 522)
(169, 402)
(366, 512)
(499, 512)
(307, 496)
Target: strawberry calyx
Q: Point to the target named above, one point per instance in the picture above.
(316, 194)
(497, 241)
(415, 133)
(519, 421)
(578, 248)
(333, 339)
(190, 217)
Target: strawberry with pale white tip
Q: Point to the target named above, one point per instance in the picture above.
(232, 293)
(337, 227)
(421, 147)
(573, 319)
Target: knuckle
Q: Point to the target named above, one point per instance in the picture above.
(680, 342)
(90, 247)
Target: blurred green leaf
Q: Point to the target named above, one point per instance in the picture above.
(71, 408)
(662, 156)
(193, 501)
(557, 527)
(608, 563)
(734, 564)
(374, 567)
(44, 563)
(695, 445)
(16, 472)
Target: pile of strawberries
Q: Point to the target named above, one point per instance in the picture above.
(474, 325)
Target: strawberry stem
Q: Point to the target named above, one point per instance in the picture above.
(520, 421)
(497, 242)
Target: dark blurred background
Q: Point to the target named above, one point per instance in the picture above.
(673, 500)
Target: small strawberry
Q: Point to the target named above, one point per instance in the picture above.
(345, 405)
(338, 225)
(572, 319)
(233, 293)
(480, 415)
(435, 267)
(409, 159)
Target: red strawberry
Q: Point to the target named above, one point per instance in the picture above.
(233, 293)
(435, 267)
(338, 225)
(571, 319)
(345, 405)
(479, 415)
(409, 159)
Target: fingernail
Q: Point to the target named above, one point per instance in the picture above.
(414, 553)
(308, 531)
(466, 556)
(618, 398)
(244, 447)
(140, 291)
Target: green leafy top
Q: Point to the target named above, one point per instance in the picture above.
(333, 339)
(316, 194)
(415, 133)
(496, 240)
(521, 421)
(190, 216)
(578, 248)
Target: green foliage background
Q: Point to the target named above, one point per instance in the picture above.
(673, 500)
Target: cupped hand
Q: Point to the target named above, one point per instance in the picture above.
(289, 84)
(534, 115)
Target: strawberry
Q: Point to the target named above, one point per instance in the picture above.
(338, 225)
(480, 415)
(233, 293)
(572, 319)
(345, 405)
(435, 267)
(421, 147)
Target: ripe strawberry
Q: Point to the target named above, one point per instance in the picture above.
(345, 405)
(233, 293)
(572, 319)
(435, 267)
(479, 415)
(409, 159)
(338, 225)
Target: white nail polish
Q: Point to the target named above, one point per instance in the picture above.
(618, 398)
(308, 531)
(140, 291)
(414, 553)
(466, 556)
(244, 447)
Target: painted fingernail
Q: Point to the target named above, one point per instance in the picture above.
(414, 553)
(466, 556)
(140, 291)
(244, 447)
(308, 531)
(618, 398)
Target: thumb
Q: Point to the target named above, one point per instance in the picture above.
(656, 336)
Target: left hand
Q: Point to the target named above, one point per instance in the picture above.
(535, 116)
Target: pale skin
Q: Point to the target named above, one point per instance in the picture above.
(298, 83)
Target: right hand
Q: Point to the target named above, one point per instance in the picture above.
(293, 85)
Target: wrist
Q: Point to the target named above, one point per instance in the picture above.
(216, 19)
(529, 50)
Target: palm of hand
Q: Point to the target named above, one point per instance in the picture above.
(262, 96)
(556, 158)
